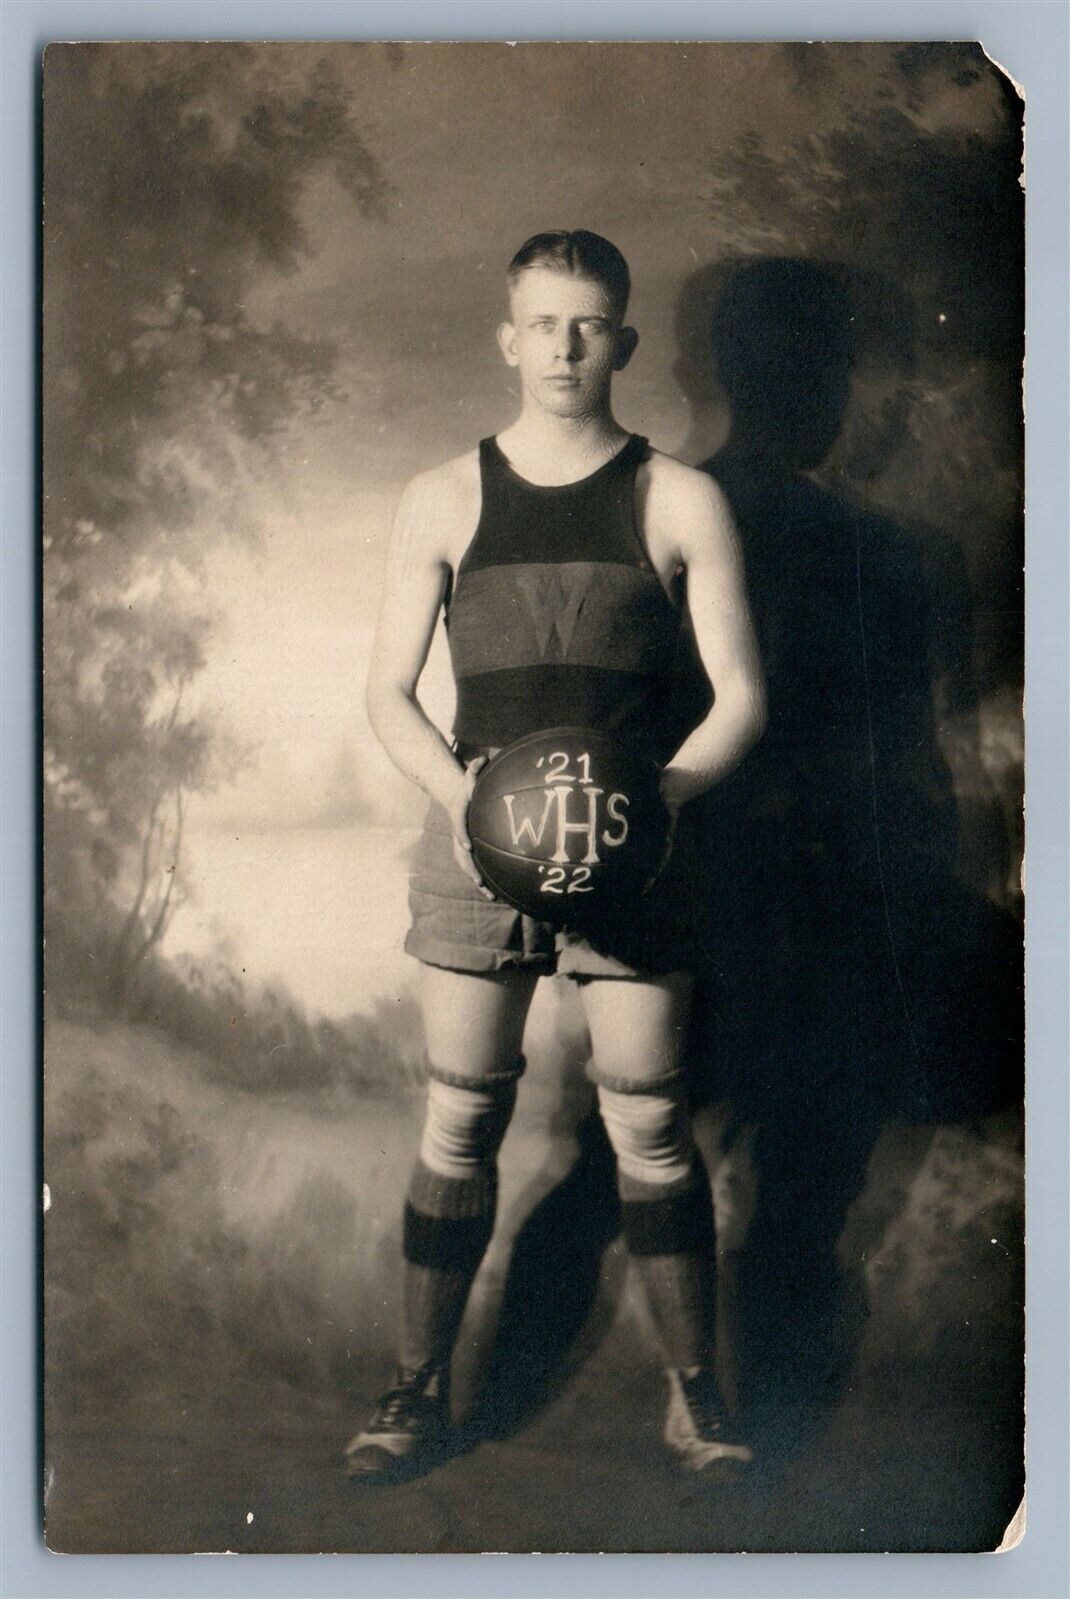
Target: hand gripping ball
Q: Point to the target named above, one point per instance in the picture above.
(567, 825)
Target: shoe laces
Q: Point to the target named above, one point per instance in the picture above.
(407, 1399)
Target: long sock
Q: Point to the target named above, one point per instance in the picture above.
(670, 1235)
(447, 1227)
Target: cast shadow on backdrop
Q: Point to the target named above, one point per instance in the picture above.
(850, 976)
(854, 974)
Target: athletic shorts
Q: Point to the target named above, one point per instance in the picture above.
(454, 925)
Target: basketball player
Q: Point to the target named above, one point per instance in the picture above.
(575, 566)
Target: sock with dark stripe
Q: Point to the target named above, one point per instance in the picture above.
(670, 1235)
(448, 1222)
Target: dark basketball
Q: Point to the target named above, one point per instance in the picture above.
(567, 824)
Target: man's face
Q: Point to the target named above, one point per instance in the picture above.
(566, 339)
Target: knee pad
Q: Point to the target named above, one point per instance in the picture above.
(650, 1134)
(466, 1121)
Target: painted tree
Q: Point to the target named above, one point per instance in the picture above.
(173, 175)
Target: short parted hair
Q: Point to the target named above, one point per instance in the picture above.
(587, 255)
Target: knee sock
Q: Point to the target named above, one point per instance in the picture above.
(447, 1227)
(670, 1235)
(666, 1217)
(449, 1216)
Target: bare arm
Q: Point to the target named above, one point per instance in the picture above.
(416, 574)
(717, 600)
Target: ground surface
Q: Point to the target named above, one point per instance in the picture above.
(221, 1307)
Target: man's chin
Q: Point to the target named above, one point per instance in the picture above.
(566, 401)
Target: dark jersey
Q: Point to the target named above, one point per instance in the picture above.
(557, 617)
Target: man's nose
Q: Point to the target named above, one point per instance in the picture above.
(569, 344)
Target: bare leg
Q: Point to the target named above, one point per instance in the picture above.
(474, 1022)
(637, 1025)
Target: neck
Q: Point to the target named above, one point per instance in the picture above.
(569, 442)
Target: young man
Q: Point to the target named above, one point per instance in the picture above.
(574, 564)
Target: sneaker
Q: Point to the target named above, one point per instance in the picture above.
(408, 1432)
(696, 1425)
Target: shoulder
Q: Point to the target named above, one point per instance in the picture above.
(436, 503)
(686, 499)
(444, 487)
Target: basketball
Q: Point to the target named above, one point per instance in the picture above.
(567, 824)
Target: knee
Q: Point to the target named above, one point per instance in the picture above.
(650, 1134)
(466, 1122)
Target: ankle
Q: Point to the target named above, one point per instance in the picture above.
(431, 1377)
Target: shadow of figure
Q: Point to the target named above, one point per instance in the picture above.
(850, 978)
(548, 1320)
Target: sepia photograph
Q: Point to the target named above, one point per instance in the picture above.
(532, 798)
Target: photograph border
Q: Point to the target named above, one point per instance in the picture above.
(1028, 40)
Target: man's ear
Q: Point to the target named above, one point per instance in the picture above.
(627, 339)
(507, 343)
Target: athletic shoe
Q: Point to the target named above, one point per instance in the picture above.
(696, 1425)
(408, 1431)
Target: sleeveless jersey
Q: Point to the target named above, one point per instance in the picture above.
(557, 617)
